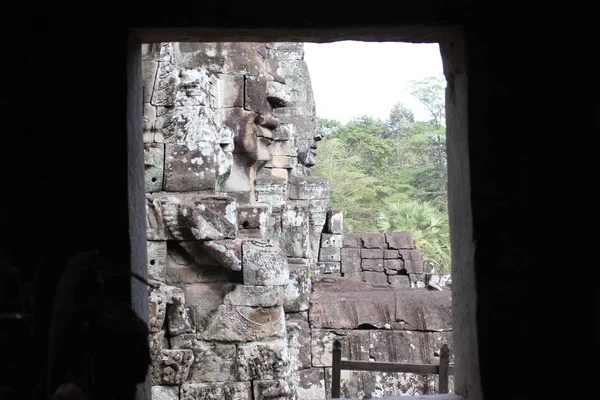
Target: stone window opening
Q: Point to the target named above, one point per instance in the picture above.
(453, 68)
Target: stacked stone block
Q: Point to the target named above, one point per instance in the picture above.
(382, 259)
(331, 244)
(236, 225)
(232, 218)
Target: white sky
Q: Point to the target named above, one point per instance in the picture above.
(350, 79)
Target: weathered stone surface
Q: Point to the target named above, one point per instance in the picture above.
(171, 367)
(216, 391)
(335, 221)
(157, 308)
(294, 229)
(274, 226)
(417, 280)
(373, 240)
(155, 342)
(317, 219)
(254, 296)
(312, 384)
(154, 164)
(297, 79)
(328, 268)
(182, 251)
(371, 253)
(331, 240)
(282, 162)
(262, 360)
(414, 267)
(227, 252)
(190, 169)
(238, 124)
(149, 69)
(206, 217)
(178, 315)
(391, 254)
(195, 87)
(187, 263)
(410, 254)
(189, 126)
(298, 262)
(157, 260)
(264, 263)
(388, 346)
(399, 240)
(204, 299)
(230, 91)
(438, 279)
(319, 206)
(287, 51)
(352, 240)
(237, 58)
(271, 191)
(278, 94)
(298, 340)
(149, 120)
(340, 303)
(354, 276)
(165, 392)
(297, 292)
(213, 362)
(256, 95)
(372, 264)
(243, 324)
(375, 278)
(277, 389)
(314, 235)
(394, 265)
(329, 254)
(280, 172)
(165, 84)
(241, 176)
(399, 281)
(308, 188)
(379, 345)
(156, 51)
(283, 148)
(422, 309)
(350, 260)
(350, 253)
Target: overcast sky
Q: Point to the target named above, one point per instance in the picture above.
(351, 79)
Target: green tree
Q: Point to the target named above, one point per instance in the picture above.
(399, 125)
(430, 92)
(428, 225)
(351, 189)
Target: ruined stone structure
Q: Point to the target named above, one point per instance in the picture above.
(71, 107)
(236, 227)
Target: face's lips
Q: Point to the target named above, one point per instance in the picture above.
(267, 121)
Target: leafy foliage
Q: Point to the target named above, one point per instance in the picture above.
(377, 166)
(428, 225)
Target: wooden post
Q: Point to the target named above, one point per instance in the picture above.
(336, 369)
(444, 366)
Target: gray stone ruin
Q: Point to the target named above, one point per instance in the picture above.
(242, 243)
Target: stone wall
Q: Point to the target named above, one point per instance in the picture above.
(233, 217)
(236, 227)
(377, 258)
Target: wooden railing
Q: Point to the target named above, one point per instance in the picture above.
(443, 369)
